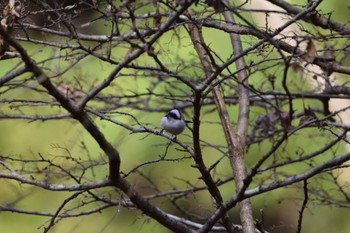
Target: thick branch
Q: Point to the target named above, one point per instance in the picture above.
(79, 114)
(151, 210)
(314, 18)
(219, 101)
(239, 139)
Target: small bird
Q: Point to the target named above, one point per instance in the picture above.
(173, 122)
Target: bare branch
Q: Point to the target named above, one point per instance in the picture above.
(301, 212)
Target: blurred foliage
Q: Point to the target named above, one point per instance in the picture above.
(67, 138)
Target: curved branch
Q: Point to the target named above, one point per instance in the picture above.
(79, 114)
(314, 18)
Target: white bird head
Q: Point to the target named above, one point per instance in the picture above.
(173, 122)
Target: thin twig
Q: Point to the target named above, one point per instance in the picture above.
(303, 207)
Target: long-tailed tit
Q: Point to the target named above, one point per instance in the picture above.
(173, 122)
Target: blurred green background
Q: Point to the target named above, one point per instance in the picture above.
(54, 138)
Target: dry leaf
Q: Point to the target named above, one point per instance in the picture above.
(11, 13)
(310, 53)
(157, 19)
(309, 115)
(329, 53)
(266, 124)
(298, 68)
(6, 11)
(285, 120)
(16, 9)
